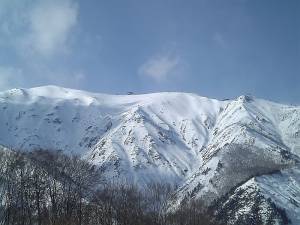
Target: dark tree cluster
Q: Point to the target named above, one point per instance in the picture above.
(50, 188)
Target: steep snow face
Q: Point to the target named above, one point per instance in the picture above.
(134, 137)
(251, 138)
(256, 122)
(233, 165)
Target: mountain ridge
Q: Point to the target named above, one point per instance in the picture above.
(180, 138)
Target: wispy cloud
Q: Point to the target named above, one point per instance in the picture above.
(51, 23)
(159, 67)
(36, 34)
(37, 27)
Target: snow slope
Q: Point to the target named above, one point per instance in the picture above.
(135, 137)
(204, 145)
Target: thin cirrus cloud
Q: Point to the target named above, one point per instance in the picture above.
(50, 26)
(159, 67)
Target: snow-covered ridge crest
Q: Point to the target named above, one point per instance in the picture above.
(180, 138)
(124, 130)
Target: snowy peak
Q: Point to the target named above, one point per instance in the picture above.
(207, 147)
(155, 133)
(210, 120)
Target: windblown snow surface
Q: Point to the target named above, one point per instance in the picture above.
(242, 155)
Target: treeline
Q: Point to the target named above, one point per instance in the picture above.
(51, 188)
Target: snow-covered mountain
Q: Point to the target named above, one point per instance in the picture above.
(210, 148)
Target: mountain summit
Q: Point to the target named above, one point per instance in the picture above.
(243, 152)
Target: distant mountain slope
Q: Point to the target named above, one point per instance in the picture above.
(206, 146)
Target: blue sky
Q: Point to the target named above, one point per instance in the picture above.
(215, 48)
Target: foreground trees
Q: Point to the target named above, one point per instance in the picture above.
(50, 188)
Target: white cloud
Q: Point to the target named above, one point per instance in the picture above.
(41, 27)
(38, 33)
(10, 77)
(50, 26)
(159, 67)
